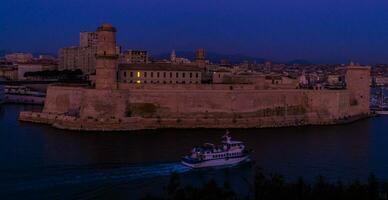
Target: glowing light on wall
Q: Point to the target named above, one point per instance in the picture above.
(138, 81)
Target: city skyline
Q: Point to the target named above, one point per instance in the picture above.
(320, 32)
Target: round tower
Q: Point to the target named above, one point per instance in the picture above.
(106, 58)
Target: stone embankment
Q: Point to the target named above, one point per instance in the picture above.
(139, 123)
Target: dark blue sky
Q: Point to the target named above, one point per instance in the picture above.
(317, 30)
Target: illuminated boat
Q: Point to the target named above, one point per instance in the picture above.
(229, 153)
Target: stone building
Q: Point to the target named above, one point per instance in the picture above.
(106, 58)
(134, 56)
(159, 74)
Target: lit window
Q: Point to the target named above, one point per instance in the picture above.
(138, 74)
(138, 81)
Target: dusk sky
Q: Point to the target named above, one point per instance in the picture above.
(322, 31)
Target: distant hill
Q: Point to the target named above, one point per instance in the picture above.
(213, 57)
(299, 61)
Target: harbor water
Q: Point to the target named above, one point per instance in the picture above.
(40, 162)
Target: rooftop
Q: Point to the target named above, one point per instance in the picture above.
(106, 27)
(159, 67)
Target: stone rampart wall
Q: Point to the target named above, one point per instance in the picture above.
(224, 107)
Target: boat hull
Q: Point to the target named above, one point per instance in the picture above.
(216, 162)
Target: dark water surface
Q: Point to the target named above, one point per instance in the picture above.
(40, 162)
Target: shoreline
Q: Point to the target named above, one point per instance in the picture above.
(139, 123)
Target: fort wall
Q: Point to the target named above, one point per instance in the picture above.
(192, 106)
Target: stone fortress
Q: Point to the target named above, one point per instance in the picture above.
(113, 105)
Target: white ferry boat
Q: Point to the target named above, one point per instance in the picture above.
(230, 152)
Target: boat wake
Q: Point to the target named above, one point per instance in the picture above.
(14, 181)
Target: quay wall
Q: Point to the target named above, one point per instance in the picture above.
(193, 106)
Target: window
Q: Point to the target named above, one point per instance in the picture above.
(164, 74)
(125, 74)
(131, 74)
(145, 74)
(191, 75)
(177, 74)
(152, 74)
(157, 74)
(138, 74)
(183, 74)
(196, 75)
(170, 74)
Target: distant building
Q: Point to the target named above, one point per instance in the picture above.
(200, 56)
(159, 74)
(83, 58)
(176, 60)
(8, 70)
(381, 81)
(220, 75)
(46, 57)
(302, 80)
(88, 39)
(19, 57)
(335, 81)
(133, 57)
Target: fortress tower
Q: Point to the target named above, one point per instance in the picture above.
(106, 58)
(357, 82)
